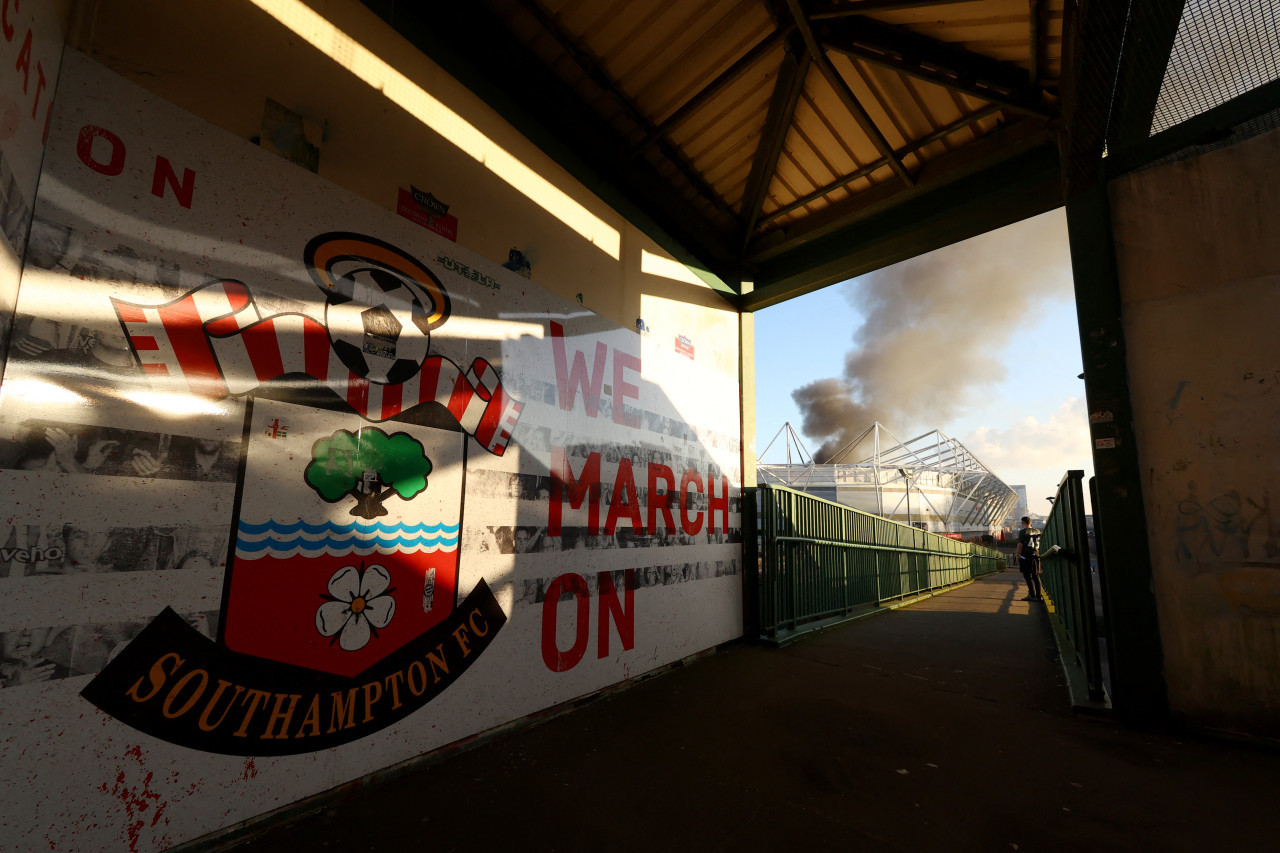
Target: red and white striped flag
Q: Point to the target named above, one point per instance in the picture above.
(216, 341)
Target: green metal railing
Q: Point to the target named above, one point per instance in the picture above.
(1067, 579)
(820, 562)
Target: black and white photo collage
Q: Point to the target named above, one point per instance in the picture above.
(533, 493)
(534, 590)
(15, 216)
(80, 548)
(33, 655)
(70, 448)
(88, 363)
(15, 209)
(546, 393)
(94, 356)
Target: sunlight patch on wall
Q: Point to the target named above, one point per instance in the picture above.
(473, 328)
(177, 405)
(667, 268)
(38, 391)
(406, 94)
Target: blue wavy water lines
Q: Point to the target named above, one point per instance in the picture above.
(349, 543)
(327, 527)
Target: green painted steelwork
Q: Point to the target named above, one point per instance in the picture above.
(962, 202)
(1225, 124)
(820, 562)
(1067, 578)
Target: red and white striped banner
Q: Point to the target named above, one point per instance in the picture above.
(215, 339)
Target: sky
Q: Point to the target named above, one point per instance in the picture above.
(978, 339)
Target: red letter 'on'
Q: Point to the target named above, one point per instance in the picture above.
(84, 147)
(611, 610)
(165, 175)
(556, 660)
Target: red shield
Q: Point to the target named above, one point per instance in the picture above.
(335, 580)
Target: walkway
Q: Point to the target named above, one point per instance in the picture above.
(941, 726)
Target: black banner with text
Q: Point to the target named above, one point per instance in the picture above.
(176, 684)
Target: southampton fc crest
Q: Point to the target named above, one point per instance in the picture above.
(341, 610)
(347, 546)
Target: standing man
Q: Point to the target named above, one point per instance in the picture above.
(1028, 561)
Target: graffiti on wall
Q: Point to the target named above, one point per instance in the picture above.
(1227, 527)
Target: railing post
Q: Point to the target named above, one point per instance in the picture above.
(751, 568)
(793, 564)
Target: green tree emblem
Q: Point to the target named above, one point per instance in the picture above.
(368, 465)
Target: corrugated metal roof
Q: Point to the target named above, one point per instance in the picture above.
(708, 92)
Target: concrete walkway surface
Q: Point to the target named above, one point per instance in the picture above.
(940, 726)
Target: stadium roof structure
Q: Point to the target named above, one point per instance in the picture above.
(949, 481)
(786, 143)
(778, 146)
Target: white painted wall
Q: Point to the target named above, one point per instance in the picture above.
(112, 517)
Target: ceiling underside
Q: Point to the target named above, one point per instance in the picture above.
(787, 143)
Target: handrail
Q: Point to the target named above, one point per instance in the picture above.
(866, 547)
(817, 561)
(1064, 558)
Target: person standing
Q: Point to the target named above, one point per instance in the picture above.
(1029, 561)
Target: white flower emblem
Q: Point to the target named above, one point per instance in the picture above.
(359, 604)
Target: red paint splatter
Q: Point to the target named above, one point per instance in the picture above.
(250, 771)
(137, 799)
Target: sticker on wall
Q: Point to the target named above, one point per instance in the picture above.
(520, 265)
(428, 211)
(684, 346)
(340, 613)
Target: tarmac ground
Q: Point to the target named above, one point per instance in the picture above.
(944, 725)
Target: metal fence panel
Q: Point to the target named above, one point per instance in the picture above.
(1066, 576)
(820, 561)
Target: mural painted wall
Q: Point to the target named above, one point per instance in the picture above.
(379, 141)
(299, 490)
(1200, 273)
(30, 53)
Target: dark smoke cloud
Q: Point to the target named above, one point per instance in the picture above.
(935, 332)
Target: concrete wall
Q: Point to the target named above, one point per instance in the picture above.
(1200, 271)
(249, 552)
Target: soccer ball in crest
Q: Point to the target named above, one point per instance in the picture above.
(380, 304)
(378, 325)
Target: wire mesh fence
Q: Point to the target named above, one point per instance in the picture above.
(1221, 50)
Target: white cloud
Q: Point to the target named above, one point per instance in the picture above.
(1037, 453)
(1062, 439)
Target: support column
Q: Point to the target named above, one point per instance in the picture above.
(750, 550)
(1139, 692)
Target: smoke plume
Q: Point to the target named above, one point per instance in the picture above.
(935, 333)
